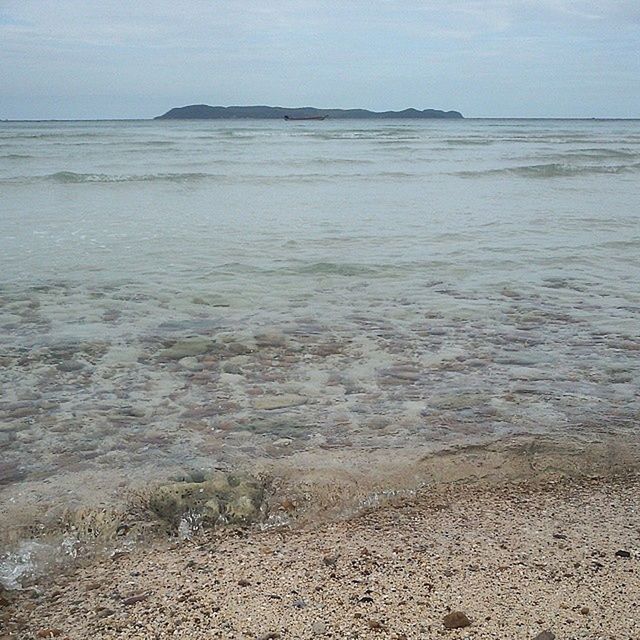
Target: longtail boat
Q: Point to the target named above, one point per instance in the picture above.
(305, 117)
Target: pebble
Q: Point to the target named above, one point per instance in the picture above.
(282, 442)
(456, 620)
(621, 553)
(545, 635)
(48, 633)
(135, 599)
(319, 628)
(330, 561)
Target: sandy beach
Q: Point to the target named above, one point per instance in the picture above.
(518, 557)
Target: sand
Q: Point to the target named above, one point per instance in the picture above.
(518, 559)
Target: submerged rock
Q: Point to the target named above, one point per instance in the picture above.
(69, 366)
(191, 363)
(226, 498)
(269, 403)
(187, 348)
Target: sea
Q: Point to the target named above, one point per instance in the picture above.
(198, 295)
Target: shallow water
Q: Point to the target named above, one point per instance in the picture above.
(329, 285)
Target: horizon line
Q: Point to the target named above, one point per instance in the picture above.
(154, 119)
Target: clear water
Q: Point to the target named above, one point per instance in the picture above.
(398, 285)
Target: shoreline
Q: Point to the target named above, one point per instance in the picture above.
(317, 485)
(517, 560)
(510, 535)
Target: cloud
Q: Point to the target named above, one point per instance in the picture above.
(386, 50)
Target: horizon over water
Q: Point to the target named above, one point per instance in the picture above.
(352, 120)
(191, 295)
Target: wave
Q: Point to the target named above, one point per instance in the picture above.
(591, 155)
(65, 135)
(469, 141)
(553, 170)
(15, 156)
(608, 153)
(70, 177)
(337, 269)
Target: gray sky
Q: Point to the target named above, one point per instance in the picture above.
(136, 58)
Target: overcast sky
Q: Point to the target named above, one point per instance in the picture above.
(138, 58)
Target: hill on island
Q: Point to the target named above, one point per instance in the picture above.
(206, 112)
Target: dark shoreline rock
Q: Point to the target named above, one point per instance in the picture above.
(456, 620)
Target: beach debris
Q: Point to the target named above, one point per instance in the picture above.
(621, 553)
(545, 635)
(456, 620)
(139, 597)
(584, 611)
(243, 582)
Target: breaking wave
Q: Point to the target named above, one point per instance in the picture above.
(553, 170)
(70, 177)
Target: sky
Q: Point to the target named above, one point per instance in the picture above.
(85, 59)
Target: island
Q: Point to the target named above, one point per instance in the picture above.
(206, 112)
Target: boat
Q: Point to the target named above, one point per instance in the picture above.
(305, 118)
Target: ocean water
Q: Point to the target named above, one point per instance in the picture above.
(198, 295)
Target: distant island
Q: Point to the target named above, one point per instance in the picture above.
(206, 112)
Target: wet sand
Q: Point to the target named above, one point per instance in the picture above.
(557, 551)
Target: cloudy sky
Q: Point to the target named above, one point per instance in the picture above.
(138, 58)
